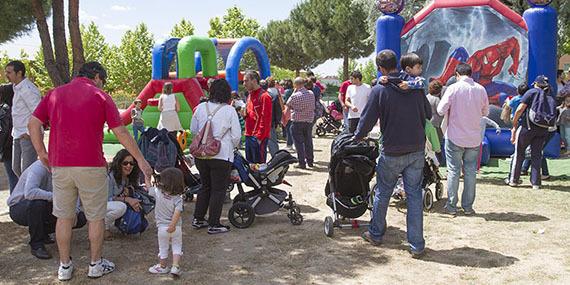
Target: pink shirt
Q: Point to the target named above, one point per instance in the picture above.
(464, 103)
(76, 113)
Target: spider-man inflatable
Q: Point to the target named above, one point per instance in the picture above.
(487, 63)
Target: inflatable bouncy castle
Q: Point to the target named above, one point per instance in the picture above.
(504, 48)
(195, 60)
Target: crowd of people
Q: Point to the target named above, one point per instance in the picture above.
(71, 184)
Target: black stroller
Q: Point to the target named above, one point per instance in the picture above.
(264, 198)
(348, 192)
(161, 150)
(431, 176)
(331, 121)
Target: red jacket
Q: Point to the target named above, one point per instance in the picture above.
(258, 114)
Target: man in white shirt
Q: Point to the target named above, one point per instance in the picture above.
(26, 99)
(356, 98)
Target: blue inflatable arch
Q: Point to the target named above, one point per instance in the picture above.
(162, 56)
(236, 54)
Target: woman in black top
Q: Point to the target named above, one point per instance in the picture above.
(6, 96)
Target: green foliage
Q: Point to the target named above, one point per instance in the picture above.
(332, 29)
(279, 73)
(368, 70)
(16, 18)
(130, 63)
(94, 46)
(234, 25)
(352, 66)
(283, 49)
(182, 29)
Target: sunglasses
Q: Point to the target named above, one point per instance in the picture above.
(125, 163)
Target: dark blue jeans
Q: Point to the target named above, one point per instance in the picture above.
(387, 172)
(535, 138)
(136, 130)
(303, 138)
(12, 178)
(255, 152)
(289, 134)
(543, 162)
(36, 215)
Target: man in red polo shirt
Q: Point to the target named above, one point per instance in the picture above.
(76, 113)
(257, 119)
(342, 98)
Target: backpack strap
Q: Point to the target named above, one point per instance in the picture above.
(211, 115)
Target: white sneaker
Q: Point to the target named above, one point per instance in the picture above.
(175, 270)
(65, 273)
(103, 267)
(157, 269)
(535, 187)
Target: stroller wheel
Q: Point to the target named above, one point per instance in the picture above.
(321, 131)
(329, 226)
(241, 215)
(295, 216)
(428, 200)
(438, 191)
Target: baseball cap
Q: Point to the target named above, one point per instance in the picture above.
(541, 80)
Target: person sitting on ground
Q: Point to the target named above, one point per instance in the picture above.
(168, 216)
(123, 178)
(31, 206)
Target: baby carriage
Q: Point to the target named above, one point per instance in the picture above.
(348, 192)
(264, 198)
(331, 121)
(162, 150)
(431, 176)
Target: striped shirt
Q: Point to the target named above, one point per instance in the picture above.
(302, 104)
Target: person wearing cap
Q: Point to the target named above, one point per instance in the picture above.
(525, 133)
(77, 113)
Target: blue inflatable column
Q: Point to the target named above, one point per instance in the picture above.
(388, 33)
(162, 57)
(542, 23)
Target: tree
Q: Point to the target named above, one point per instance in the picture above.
(332, 29)
(16, 18)
(352, 66)
(130, 66)
(369, 71)
(182, 29)
(234, 25)
(95, 47)
(75, 36)
(57, 64)
(283, 49)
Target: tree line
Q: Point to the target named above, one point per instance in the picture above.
(315, 31)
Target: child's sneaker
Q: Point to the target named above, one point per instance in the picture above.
(198, 224)
(157, 269)
(175, 270)
(218, 229)
(65, 273)
(101, 268)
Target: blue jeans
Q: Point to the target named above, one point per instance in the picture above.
(457, 158)
(565, 134)
(303, 138)
(387, 172)
(272, 143)
(289, 133)
(255, 151)
(12, 178)
(136, 130)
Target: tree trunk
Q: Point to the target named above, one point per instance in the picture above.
(47, 49)
(59, 41)
(297, 72)
(75, 35)
(345, 63)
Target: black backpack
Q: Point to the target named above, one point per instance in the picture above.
(5, 132)
(276, 111)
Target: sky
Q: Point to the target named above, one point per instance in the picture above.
(114, 17)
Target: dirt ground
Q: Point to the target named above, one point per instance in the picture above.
(518, 236)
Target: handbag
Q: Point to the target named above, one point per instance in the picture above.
(204, 144)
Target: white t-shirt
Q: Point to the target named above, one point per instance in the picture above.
(358, 97)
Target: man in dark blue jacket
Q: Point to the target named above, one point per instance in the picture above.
(402, 115)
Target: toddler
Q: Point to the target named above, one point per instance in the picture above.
(169, 185)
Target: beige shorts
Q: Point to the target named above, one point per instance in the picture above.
(89, 183)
